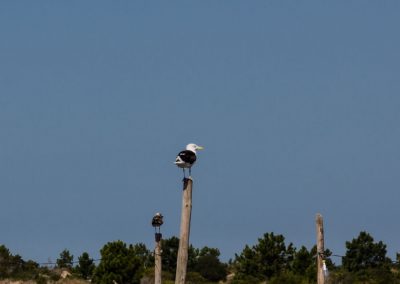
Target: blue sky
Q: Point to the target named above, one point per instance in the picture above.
(296, 103)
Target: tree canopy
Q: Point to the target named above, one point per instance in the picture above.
(85, 266)
(271, 259)
(65, 260)
(363, 253)
(119, 263)
(367, 259)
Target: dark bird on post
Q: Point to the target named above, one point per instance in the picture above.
(157, 220)
(187, 158)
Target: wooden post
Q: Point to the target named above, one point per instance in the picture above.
(320, 249)
(181, 263)
(157, 259)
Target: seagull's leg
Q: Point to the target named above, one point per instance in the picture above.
(184, 174)
(190, 172)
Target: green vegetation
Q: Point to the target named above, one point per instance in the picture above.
(119, 264)
(66, 260)
(85, 267)
(271, 260)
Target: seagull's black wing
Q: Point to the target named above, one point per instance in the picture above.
(187, 156)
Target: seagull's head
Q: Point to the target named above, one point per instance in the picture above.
(193, 147)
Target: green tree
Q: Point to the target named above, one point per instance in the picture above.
(273, 254)
(17, 265)
(13, 266)
(367, 259)
(363, 253)
(209, 266)
(246, 264)
(303, 259)
(66, 259)
(270, 257)
(305, 263)
(30, 270)
(170, 249)
(145, 256)
(169, 253)
(118, 263)
(85, 266)
(5, 262)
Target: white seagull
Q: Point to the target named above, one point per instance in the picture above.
(187, 158)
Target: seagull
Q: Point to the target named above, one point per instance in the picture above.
(187, 158)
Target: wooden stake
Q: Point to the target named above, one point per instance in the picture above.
(320, 249)
(181, 263)
(157, 259)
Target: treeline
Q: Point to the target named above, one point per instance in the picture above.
(273, 261)
(119, 263)
(270, 261)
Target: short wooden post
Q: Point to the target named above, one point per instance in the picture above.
(157, 222)
(157, 259)
(320, 249)
(181, 263)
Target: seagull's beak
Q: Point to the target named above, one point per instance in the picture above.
(200, 148)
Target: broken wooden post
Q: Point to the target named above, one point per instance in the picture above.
(320, 249)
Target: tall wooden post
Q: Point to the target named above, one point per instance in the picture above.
(157, 259)
(320, 249)
(181, 263)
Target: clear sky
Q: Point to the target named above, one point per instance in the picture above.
(296, 103)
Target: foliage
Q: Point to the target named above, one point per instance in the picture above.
(209, 266)
(85, 266)
(245, 279)
(302, 261)
(195, 278)
(363, 254)
(8, 263)
(145, 256)
(119, 263)
(270, 259)
(365, 262)
(311, 271)
(370, 276)
(169, 253)
(246, 264)
(267, 258)
(13, 266)
(170, 249)
(273, 254)
(66, 260)
(288, 278)
(203, 263)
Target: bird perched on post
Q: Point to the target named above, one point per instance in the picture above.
(157, 220)
(187, 158)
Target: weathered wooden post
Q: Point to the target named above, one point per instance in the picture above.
(157, 222)
(181, 263)
(157, 260)
(320, 249)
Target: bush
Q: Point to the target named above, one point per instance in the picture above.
(288, 278)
